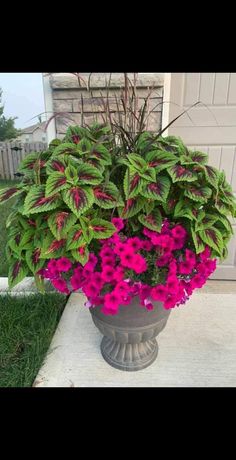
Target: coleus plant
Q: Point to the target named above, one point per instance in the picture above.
(72, 197)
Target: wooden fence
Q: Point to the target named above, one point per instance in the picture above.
(11, 154)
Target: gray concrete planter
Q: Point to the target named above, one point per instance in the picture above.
(129, 341)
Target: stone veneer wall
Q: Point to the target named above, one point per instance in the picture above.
(67, 97)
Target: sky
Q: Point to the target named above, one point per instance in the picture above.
(22, 96)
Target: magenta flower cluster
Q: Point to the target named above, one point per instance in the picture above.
(104, 281)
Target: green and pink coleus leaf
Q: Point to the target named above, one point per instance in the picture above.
(198, 243)
(7, 193)
(57, 164)
(75, 238)
(60, 223)
(96, 163)
(66, 148)
(131, 208)
(102, 228)
(84, 146)
(81, 254)
(36, 201)
(100, 153)
(78, 199)
(157, 191)
(211, 175)
(21, 240)
(205, 220)
(160, 160)
(88, 174)
(52, 248)
(193, 158)
(153, 221)
(185, 208)
(181, 173)
(18, 270)
(33, 260)
(198, 193)
(132, 183)
(56, 182)
(221, 206)
(137, 162)
(107, 196)
(213, 238)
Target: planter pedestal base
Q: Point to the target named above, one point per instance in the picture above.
(129, 356)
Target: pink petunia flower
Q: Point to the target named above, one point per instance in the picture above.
(127, 258)
(108, 273)
(61, 285)
(190, 256)
(134, 243)
(163, 260)
(93, 259)
(76, 282)
(119, 274)
(109, 261)
(204, 255)
(118, 222)
(198, 281)
(170, 302)
(159, 292)
(172, 284)
(185, 267)
(120, 248)
(178, 232)
(64, 264)
(91, 289)
(146, 245)
(178, 243)
(111, 303)
(52, 267)
(139, 264)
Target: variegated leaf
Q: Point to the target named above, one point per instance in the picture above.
(78, 199)
(17, 272)
(81, 255)
(101, 153)
(180, 173)
(75, 238)
(197, 193)
(198, 243)
(60, 222)
(107, 196)
(7, 193)
(211, 175)
(212, 237)
(132, 183)
(160, 160)
(157, 191)
(131, 208)
(36, 201)
(153, 221)
(55, 183)
(33, 260)
(88, 174)
(102, 228)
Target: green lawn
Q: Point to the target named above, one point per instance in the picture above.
(27, 325)
(5, 210)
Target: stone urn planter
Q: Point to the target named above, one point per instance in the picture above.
(129, 341)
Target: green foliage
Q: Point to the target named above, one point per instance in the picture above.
(7, 125)
(69, 194)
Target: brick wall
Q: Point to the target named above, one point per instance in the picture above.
(67, 97)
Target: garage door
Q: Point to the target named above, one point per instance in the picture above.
(212, 128)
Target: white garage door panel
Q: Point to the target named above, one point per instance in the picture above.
(215, 137)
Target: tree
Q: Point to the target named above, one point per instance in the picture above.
(7, 125)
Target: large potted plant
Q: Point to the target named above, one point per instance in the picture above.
(136, 224)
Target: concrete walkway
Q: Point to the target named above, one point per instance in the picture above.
(196, 349)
